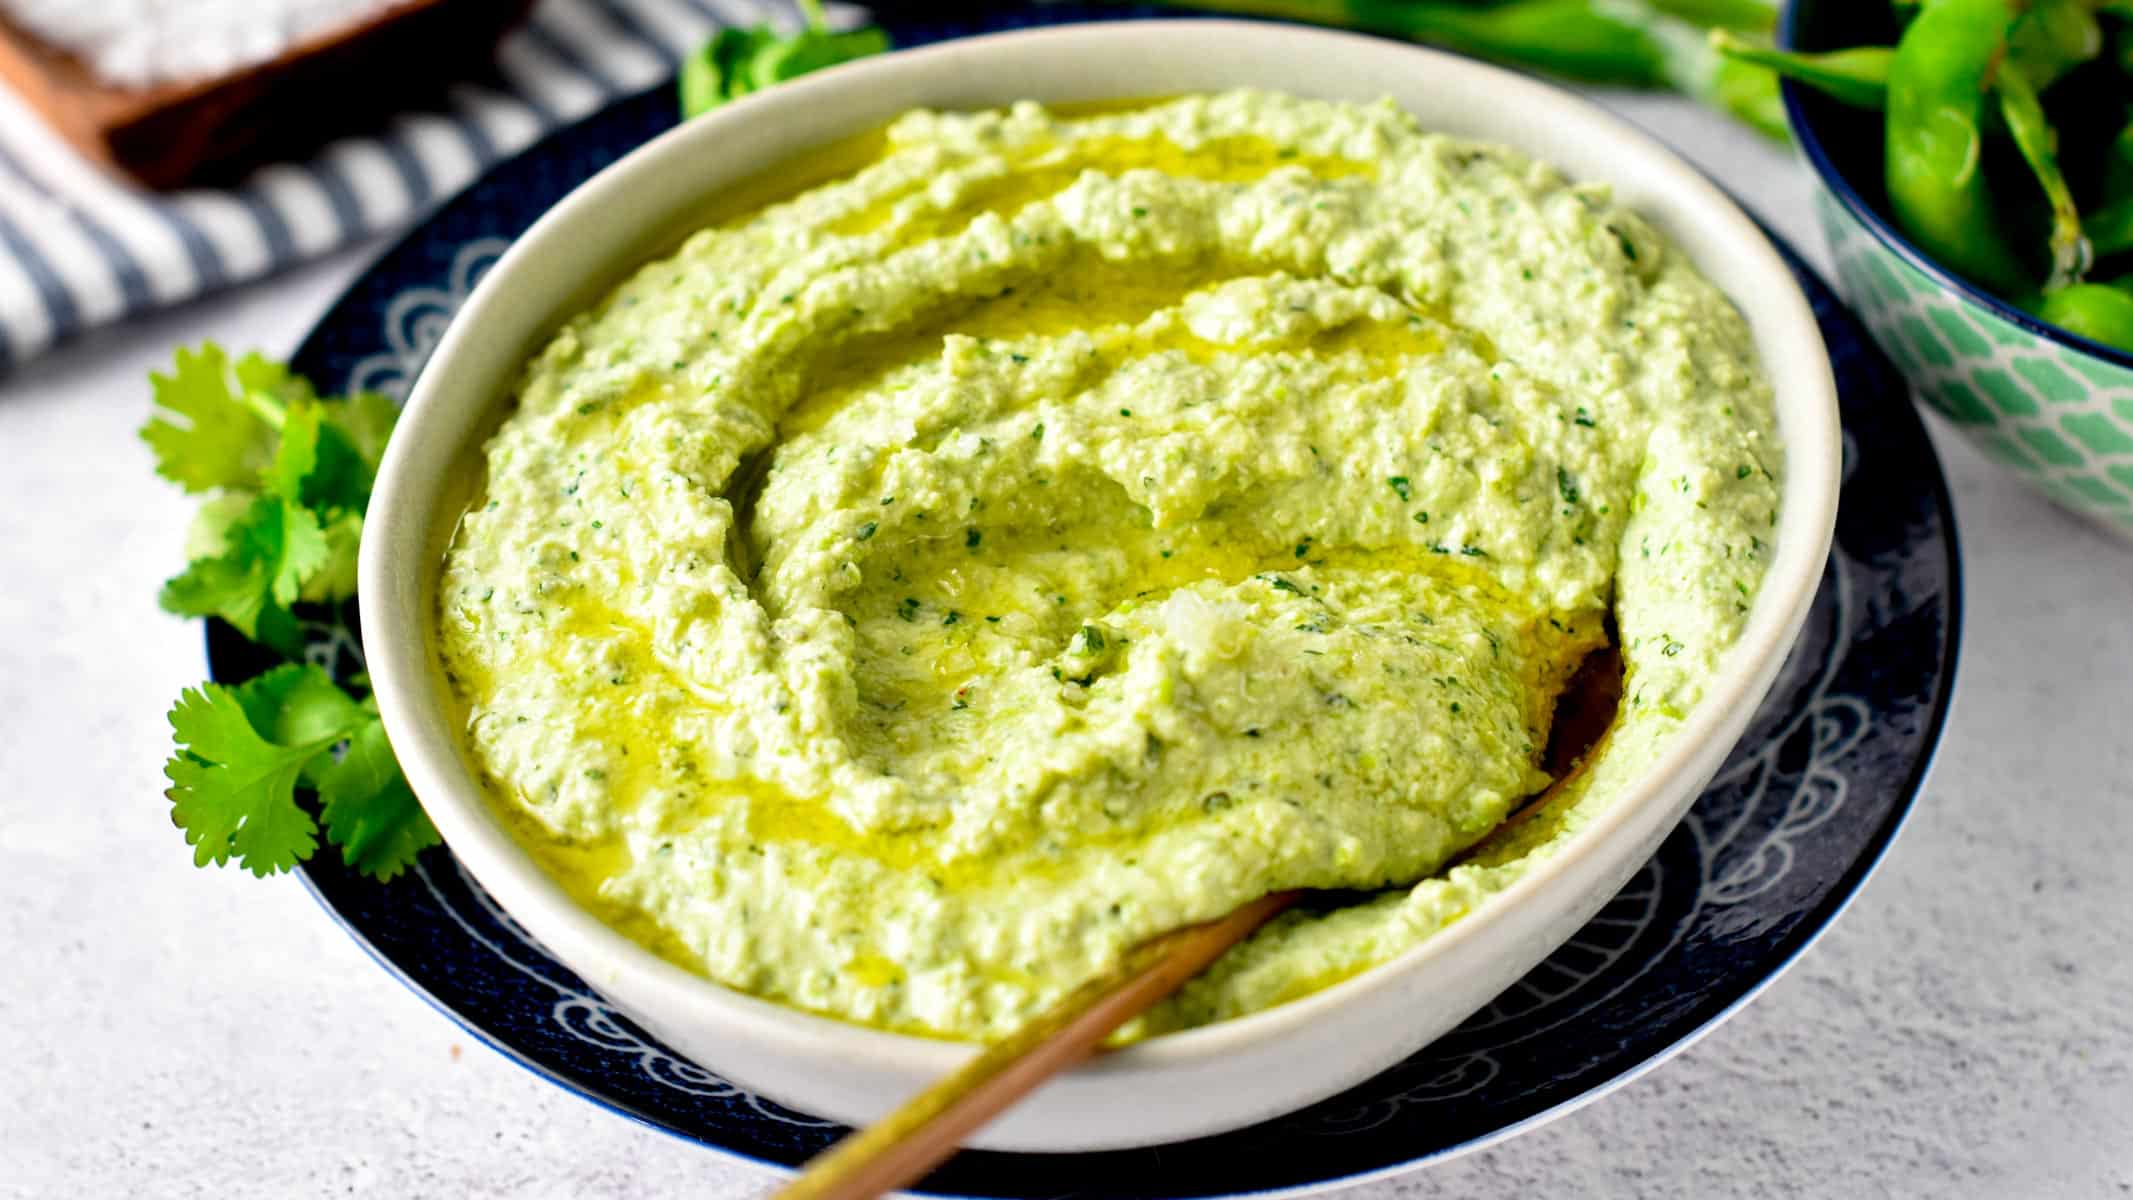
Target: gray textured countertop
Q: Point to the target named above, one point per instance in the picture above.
(1966, 1030)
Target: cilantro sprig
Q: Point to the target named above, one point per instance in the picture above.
(738, 61)
(285, 476)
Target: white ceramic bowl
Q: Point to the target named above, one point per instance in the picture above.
(1180, 1085)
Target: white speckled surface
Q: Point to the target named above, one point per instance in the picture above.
(1965, 1031)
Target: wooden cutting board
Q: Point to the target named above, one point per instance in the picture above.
(211, 129)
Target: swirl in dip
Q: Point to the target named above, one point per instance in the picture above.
(1061, 529)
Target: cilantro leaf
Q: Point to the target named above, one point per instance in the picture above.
(269, 384)
(233, 791)
(335, 578)
(339, 478)
(203, 432)
(317, 465)
(368, 809)
(213, 422)
(736, 62)
(269, 552)
(238, 592)
(242, 752)
(706, 76)
(296, 704)
(810, 51)
(210, 533)
(365, 420)
(296, 456)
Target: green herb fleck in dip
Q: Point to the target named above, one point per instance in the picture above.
(1061, 529)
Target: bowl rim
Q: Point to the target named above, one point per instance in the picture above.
(399, 652)
(1797, 98)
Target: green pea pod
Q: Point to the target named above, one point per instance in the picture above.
(2110, 228)
(2118, 164)
(1748, 16)
(1603, 41)
(2052, 38)
(1575, 38)
(2097, 311)
(1933, 158)
(1634, 43)
(2039, 143)
(1858, 76)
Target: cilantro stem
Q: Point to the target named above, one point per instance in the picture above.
(266, 408)
(811, 10)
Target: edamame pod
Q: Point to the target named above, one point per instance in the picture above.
(2097, 311)
(2118, 164)
(1938, 82)
(2110, 228)
(1639, 43)
(2051, 38)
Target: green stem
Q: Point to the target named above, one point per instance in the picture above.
(1579, 39)
(1695, 68)
(1635, 43)
(1745, 90)
(267, 408)
(811, 10)
(1858, 76)
(2039, 143)
(1750, 16)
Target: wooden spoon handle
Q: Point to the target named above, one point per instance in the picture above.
(911, 1141)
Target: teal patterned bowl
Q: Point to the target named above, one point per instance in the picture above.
(2054, 408)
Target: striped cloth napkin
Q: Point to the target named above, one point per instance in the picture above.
(79, 249)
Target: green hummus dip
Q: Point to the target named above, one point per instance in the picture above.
(1057, 530)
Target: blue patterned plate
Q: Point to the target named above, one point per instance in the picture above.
(1771, 852)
